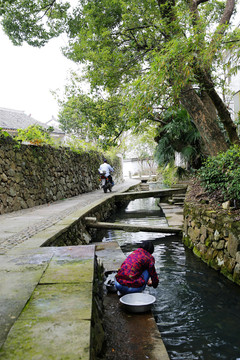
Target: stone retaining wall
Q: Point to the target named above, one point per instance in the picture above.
(34, 175)
(214, 236)
(77, 233)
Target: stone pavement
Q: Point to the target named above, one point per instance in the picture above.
(46, 292)
(46, 303)
(26, 269)
(18, 226)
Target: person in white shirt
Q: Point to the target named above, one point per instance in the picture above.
(106, 169)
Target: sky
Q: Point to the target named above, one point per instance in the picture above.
(28, 74)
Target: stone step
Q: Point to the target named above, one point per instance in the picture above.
(176, 197)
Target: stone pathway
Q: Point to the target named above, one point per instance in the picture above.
(51, 281)
(26, 268)
(18, 226)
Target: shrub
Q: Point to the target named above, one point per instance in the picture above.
(36, 135)
(222, 172)
(169, 175)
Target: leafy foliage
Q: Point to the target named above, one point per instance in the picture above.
(145, 57)
(36, 135)
(178, 134)
(79, 146)
(139, 145)
(92, 118)
(222, 172)
(169, 174)
(3, 133)
(148, 51)
(33, 21)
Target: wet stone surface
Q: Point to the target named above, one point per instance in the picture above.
(130, 336)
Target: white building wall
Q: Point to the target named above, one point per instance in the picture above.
(179, 160)
(133, 167)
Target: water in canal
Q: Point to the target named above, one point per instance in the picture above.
(197, 310)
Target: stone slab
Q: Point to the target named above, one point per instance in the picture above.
(34, 340)
(18, 281)
(60, 303)
(66, 271)
(24, 261)
(173, 214)
(133, 227)
(20, 275)
(110, 255)
(75, 252)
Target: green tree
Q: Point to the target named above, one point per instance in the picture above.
(157, 54)
(36, 135)
(92, 118)
(154, 54)
(33, 21)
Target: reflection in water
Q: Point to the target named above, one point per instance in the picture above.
(197, 310)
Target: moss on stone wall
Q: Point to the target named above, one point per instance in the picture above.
(214, 237)
(34, 175)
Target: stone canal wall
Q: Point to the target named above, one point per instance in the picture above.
(34, 175)
(76, 233)
(214, 236)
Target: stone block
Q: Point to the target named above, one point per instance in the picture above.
(229, 264)
(204, 231)
(233, 245)
(216, 235)
(62, 271)
(220, 245)
(209, 254)
(202, 249)
(238, 257)
(194, 234)
(46, 340)
(202, 239)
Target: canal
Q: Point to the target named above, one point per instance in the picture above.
(197, 310)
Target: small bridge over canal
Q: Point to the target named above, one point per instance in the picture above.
(163, 195)
(93, 223)
(170, 203)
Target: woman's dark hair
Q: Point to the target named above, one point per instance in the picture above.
(148, 246)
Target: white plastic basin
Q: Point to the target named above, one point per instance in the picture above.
(137, 302)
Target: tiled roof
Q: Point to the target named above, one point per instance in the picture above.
(16, 119)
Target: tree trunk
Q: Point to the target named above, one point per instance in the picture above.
(207, 125)
(221, 108)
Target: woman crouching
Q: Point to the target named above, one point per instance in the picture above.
(137, 270)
